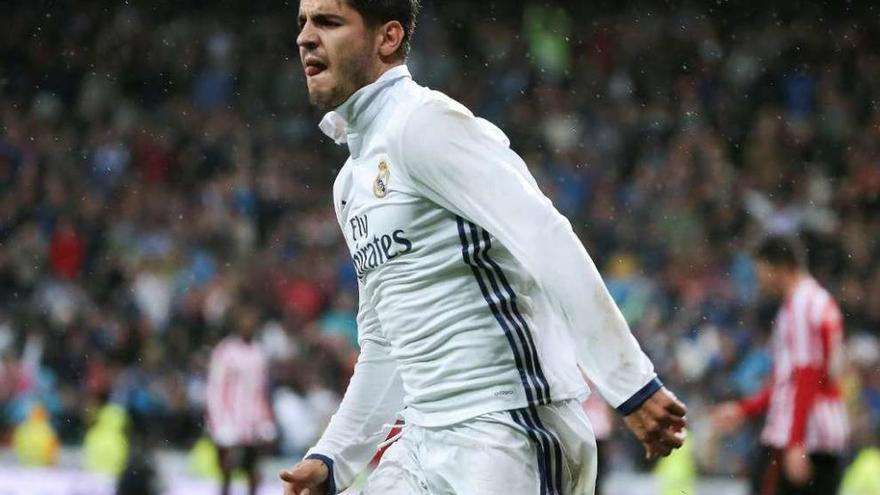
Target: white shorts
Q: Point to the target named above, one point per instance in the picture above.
(546, 450)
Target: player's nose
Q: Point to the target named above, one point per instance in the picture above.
(308, 37)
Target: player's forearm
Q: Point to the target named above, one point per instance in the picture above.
(756, 404)
(372, 400)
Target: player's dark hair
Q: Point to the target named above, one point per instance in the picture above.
(377, 12)
(784, 251)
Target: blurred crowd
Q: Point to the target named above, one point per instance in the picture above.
(160, 169)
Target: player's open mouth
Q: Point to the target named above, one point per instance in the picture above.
(314, 67)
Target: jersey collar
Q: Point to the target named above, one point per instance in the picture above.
(344, 124)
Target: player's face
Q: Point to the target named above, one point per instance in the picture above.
(768, 278)
(248, 322)
(336, 48)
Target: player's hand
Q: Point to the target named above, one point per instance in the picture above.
(659, 423)
(797, 465)
(309, 477)
(727, 417)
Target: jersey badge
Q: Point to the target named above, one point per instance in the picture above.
(380, 186)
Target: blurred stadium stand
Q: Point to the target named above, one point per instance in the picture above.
(160, 166)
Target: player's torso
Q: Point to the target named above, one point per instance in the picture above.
(385, 224)
(244, 364)
(408, 254)
(795, 335)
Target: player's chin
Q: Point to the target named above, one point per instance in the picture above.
(320, 98)
(321, 91)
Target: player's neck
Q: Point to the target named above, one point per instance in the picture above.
(345, 123)
(381, 68)
(793, 281)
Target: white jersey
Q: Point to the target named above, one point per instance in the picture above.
(475, 294)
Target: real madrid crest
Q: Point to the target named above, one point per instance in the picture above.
(380, 186)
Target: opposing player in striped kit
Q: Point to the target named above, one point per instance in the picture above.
(479, 307)
(238, 417)
(806, 428)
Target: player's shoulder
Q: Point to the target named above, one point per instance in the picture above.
(221, 348)
(818, 294)
(230, 343)
(418, 106)
(821, 303)
(416, 122)
(426, 121)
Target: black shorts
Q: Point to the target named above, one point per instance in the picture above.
(244, 457)
(768, 476)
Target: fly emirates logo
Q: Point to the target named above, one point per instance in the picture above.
(375, 251)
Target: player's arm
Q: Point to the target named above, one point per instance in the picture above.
(806, 380)
(268, 430)
(465, 165)
(812, 364)
(757, 403)
(730, 415)
(796, 462)
(815, 352)
(372, 400)
(215, 419)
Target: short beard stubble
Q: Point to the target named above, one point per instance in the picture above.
(353, 73)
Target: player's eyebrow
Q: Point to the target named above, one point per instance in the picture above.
(321, 19)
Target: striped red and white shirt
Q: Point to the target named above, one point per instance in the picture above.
(237, 407)
(803, 401)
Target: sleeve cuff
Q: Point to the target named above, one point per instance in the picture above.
(331, 481)
(640, 397)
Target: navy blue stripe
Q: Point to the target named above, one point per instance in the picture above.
(331, 480)
(530, 357)
(498, 317)
(547, 444)
(540, 448)
(545, 449)
(553, 441)
(542, 388)
(640, 397)
(533, 350)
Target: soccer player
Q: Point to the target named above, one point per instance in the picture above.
(478, 304)
(239, 419)
(806, 427)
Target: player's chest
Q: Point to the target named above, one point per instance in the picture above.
(377, 210)
(244, 362)
(788, 333)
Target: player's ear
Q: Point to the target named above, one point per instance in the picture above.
(390, 37)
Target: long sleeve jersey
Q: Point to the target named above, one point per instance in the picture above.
(803, 400)
(475, 293)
